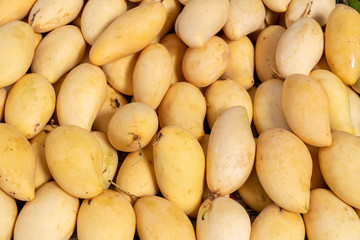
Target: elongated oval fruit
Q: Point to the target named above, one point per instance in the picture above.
(222, 218)
(343, 54)
(300, 47)
(331, 217)
(59, 52)
(10, 11)
(275, 223)
(179, 164)
(306, 109)
(17, 47)
(74, 157)
(8, 215)
(106, 216)
(339, 164)
(277, 5)
(51, 213)
(127, 35)
(17, 164)
(230, 153)
(281, 157)
(200, 20)
(81, 96)
(158, 218)
(33, 97)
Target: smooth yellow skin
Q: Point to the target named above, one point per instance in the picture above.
(183, 105)
(306, 109)
(136, 175)
(158, 218)
(277, 5)
(59, 52)
(113, 101)
(42, 173)
(51, 215)
(253, 193)
(3, 96)
(284, 166)
(340, 116)
(152, 75)
(46, 15)
(230, 153)
(245, 17)
(329, 216)
(265, 51)
(354, 101)
(110, 158)
(223, 94)
(177, 49)
(317, 180)
(119, 73)
(275, 223)
(17, 177)
(224, 218)
(127, 35)
(241, 65)
(32, 97)
(8, 215)
(179, 164)
(299, 48)
(202, 66)
(81, 96)
(133, 124)
(268, 112)
(97, 15)
(343, 54)
(75, 160)
(14, 10)
(17, 46)
(339, 164)
(106, 216)
(200, 20)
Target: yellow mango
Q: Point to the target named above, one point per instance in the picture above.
(17, 47)
(8, 215)
(222, 218)
(14, 10)
(75, 160)
(127, 35)
(51, 214)
(3, 96)
(16, 177)
(33, 97)
(158, 218)
(106, 216)
(306, 109)
(343, 53)
(277, 5)
(281, 157)
(329, 216)
(354, 101)
(231, 151)
(81, 96)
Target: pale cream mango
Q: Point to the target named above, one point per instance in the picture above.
(354, 101)
(75, 160)
(183, 105)
(179, 164)
(59, 51)
(97, 15)
(275, 223)
(202, 66)
(14, 10)
(158, 218)
(340, 116)
(16, 177)
(231, 151)
(223, 94)
(46, 15)
(106, 216)
(317, 180)
(81, 96)
(3, 96)
(329, 216)
(279, 6)
(284, 166)
(50, 215)
(152, 75)
(306, 109)
(222, 218)
(8, 215)
(127, 35)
